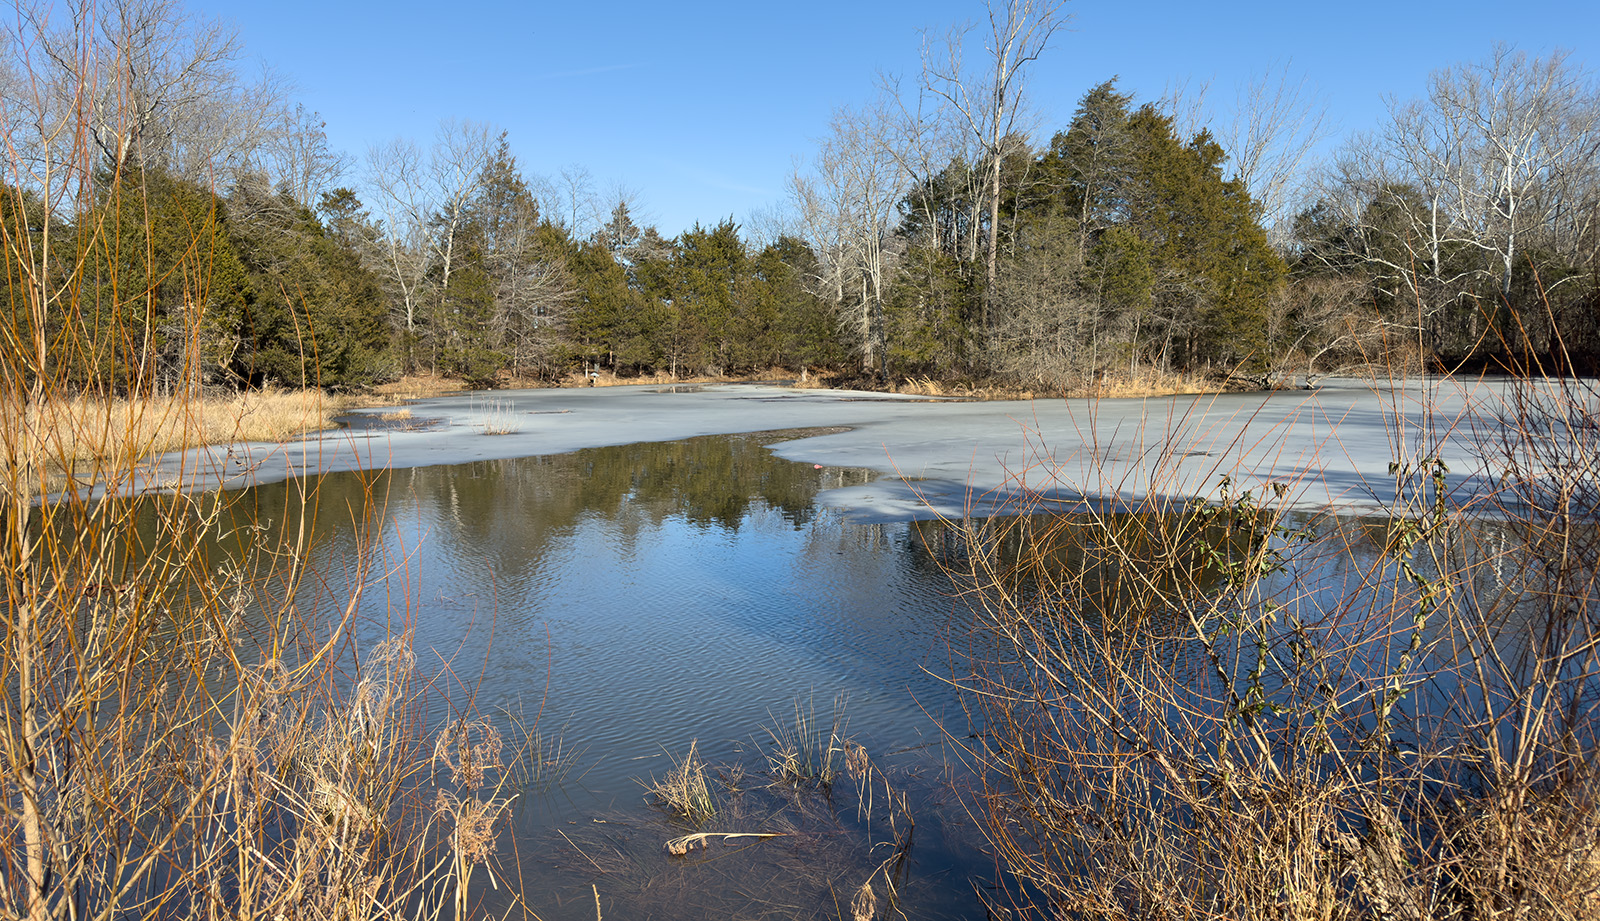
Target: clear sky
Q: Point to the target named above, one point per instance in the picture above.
(703, 108)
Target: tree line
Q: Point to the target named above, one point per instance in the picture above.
(221, 242)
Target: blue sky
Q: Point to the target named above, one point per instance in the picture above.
(703, 108)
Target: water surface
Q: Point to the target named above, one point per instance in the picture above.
(634, 599)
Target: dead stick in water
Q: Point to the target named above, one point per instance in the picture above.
(681, 846)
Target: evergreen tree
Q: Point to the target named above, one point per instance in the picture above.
(467, 347)
(804, 331)
(164, 288)
(707, 274)
(525, 267)
(315, 316)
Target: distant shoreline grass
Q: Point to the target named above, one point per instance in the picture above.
(86, 428)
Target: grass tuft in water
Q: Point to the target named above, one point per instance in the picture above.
(809, 749)
(684, 793)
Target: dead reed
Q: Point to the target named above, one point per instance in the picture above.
(684, 792)
(799, 812)
(806, 749)
(1219, 710)
(190, 728)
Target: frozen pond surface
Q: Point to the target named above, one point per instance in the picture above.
(1332, 447)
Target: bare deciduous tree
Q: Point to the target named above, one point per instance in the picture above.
(1504, 145)
(423, 200)
(991, 106)
(455, 168)
(575, 189)
(142, 82)
(297, 157)
(394, 173)
(1276, 124)
(848, 209)
(1501, 156)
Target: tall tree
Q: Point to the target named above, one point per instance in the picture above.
(848, 207)
(165, 281)
(708, 275)
(423, 200)
(1492, 176)
(315, 316)
(525, 269)
(992, 103)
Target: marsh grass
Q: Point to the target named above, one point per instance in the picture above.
(548, 759)
(79, 430)
(498, 417)
(772, 849)
(192, 728)
(808, 749)
(1141, 382)
(416, 387)
(1223, 710)
(684, 793)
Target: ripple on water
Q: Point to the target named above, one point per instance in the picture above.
(641, 597)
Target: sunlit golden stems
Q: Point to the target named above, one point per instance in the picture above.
(1220, 710)
(192, 727)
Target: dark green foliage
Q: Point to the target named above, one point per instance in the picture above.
(1126, 244)
(931, 314)
(707, 275)
(315, 315)
(466, 340)
(1090, 171)
(22, 224)
(798, 328)
(160, 261)
(1217, 268)
(611, 323)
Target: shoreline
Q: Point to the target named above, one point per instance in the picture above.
(1331, 448)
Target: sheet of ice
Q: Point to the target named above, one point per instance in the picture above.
(1331, 448)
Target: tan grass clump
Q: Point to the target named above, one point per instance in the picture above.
(683, 844)
(808, 749)
(418, 386)
(86, 428)
(684, 793)
(1145, 382)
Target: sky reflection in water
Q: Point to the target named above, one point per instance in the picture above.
(636, 598)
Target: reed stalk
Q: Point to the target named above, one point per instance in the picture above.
(1223, 710)
(189, 727)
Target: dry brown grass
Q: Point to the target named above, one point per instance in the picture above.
(660, 378)
(413, 387)
(1221, 711)
(89, 428)
(1146, 382)
(684, 792)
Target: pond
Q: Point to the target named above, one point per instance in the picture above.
(628, 601)
(629, 606)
